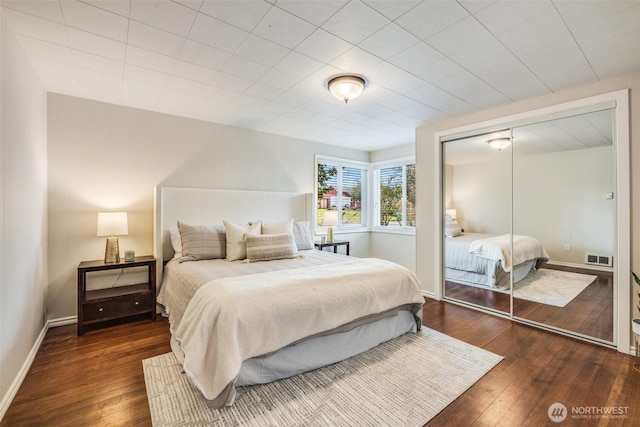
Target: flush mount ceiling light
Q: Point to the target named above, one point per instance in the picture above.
(499, 143)
(346, 88)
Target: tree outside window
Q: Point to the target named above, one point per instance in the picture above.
(396, 196)
(340, 188)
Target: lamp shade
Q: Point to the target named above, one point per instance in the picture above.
(330, 218)
(112, 224)
(346, 88)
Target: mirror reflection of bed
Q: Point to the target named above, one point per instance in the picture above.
(585, 313)
(543, 202)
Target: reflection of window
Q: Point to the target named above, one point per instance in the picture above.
(340, 187)
(395, 194)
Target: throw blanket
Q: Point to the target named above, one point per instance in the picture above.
(525, 248)
(233, 319)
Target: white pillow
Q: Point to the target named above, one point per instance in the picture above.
(236, 240)
(277, 227)
(302, 235)
(176, 242)
(266, 247)
(452, 229)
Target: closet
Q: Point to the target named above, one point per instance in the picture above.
(535, 218)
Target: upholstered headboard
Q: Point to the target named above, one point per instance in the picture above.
(206, 206)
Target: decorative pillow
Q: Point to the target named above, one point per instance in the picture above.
(202, 242)
(277, 227)
(452, 229)
(268, 247)
(236, 238)
(176, 242)
(302, 235)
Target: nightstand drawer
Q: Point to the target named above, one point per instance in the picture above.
(116, 307)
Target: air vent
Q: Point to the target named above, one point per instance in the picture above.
(596, 259)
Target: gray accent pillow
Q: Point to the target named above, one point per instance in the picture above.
(302, 235)
(202, 242)
(266, 247)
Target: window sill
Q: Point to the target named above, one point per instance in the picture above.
(407, 231)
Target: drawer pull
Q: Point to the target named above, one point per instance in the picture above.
(101, 309)
(136, 303)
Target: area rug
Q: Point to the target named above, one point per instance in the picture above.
(553, 287)
(403, 382)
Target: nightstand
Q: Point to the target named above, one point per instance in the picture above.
(118, 302)
(334, 245)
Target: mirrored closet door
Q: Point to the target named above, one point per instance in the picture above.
(529, 222)
(477, 198)
(563, 196)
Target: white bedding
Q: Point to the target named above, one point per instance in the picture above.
(484, 259)
(220, 321)
(498, 248)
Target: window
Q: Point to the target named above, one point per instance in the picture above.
(395, 194)
(341, 187)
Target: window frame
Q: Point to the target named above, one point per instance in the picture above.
(402, 162)
(369, 214)
(364, 203)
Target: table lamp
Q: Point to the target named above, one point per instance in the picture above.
(112, 224)
(330, 219)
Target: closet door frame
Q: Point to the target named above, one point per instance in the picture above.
(619, 101)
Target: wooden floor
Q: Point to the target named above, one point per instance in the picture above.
(97, 379)
(590, 313)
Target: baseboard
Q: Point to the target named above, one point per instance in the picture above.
(431, 295)
(583, 266)
(62, 321)
(24, 370)
(17, 382)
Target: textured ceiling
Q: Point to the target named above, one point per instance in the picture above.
(264, 65)
(577, 132)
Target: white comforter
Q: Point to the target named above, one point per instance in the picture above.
(232, 319)
(525, 248)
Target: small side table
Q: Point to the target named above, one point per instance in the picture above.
(119, 302)
(334, 245)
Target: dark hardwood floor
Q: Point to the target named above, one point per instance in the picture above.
(590, 313)
(97, 379)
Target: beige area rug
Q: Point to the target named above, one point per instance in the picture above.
(403, 382)
(553, 287)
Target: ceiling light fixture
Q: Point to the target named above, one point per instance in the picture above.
(346, 88)
(499, 143)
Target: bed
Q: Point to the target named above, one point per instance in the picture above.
(237, 323)
(485, 260)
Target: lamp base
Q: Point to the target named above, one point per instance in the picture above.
(112, 250)
(330, 235)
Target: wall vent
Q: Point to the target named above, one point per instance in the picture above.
(596, 259)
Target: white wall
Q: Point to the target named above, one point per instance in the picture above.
(106, 157)
(574, 210)
(23, 212)
(557, 198)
